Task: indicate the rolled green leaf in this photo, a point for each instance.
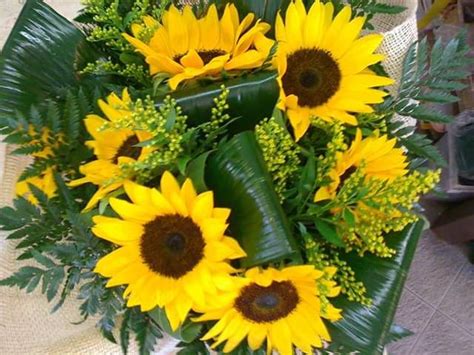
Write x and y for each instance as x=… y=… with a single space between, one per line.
x=39 y=58
x=237 y=174
x=251 y=99
x=368 y=329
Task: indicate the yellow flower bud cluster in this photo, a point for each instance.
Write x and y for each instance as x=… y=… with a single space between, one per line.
x=135 y=71
x=166 y=125
x=380 y=207
x=326 y=258
x=279 y=152
x=218 y=115
x=336 y=143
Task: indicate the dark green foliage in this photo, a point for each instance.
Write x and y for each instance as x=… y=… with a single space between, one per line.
x=56 y=126
x=186 y=333
x=428 y=78
x=146 y=330
x=368 y=329
x=251 y=98
x=238 y=176
x=39 y=59
x=396 y=333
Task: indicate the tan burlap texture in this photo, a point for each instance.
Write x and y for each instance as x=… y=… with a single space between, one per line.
x=26 y=325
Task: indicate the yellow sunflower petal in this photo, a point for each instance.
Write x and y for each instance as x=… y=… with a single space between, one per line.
x=140 y=195
x=257 y=335
x=237 y=337
x=132 y=212
x=332 y=35
x=210 y=29
x=178 y=31
x=246 y=60
x=118 y=231
x=169 y=186
x=347 y=36
x=280 y=336
x=203 y=206
x=192 y=60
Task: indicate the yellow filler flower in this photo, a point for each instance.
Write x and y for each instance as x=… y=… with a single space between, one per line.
x=323 y=65
x=111 y=146
x=382 y=161
x=187 y=48
x=173 y=252
x=281 y=306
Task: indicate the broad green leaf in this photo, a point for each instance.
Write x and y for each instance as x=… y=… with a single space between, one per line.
x=368 y=329
x=39 y=58
x=187 y=333
x=238 y=176
x=397 y=332
x=329 y=232
x=251 y=98
x=196 y=172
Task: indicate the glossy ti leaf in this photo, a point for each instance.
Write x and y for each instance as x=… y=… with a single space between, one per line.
x=237 y=174
x=39 y=57
x=396 y=333
x=251 y=98
x=266 y=10
x=368 y=329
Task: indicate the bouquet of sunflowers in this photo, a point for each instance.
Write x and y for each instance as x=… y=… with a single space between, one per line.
x=230 y=174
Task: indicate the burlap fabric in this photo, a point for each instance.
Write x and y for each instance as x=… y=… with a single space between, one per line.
x=26 y=325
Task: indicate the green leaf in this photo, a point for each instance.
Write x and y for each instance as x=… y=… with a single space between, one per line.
x=42 y=259
x=237 y=174
x=421 y=146
x=329 y=232
x=39 y=58
x=251 y=98
x=125 y=332
x=187 y=333
x=308 y=177
x=368 y=329
x=349 y=217
x=196 y=171
x=397 y=332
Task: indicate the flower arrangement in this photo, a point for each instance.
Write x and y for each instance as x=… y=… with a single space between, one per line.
x=227 y=173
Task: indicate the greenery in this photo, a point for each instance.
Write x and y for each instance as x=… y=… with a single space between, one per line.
x=428 y=77
x=266 y=179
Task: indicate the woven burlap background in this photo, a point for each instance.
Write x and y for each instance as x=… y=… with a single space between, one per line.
x=26 y=325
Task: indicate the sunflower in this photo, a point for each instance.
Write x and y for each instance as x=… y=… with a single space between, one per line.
x=173 y=252
x=111 y=146
x=281 y=306
x=185 y=47
x=381 y=161
x=323 y=65
x=45 y=182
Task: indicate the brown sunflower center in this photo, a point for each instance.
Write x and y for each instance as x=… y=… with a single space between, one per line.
x=206 y=55
x=346 y=175
x=267 y=304
x=172 y=245
x=128 y=149
x=312 y=75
